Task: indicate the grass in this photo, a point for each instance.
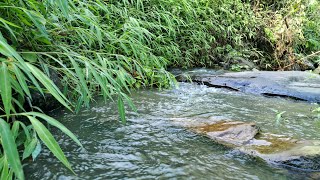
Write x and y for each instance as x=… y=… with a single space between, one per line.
x=107 y=48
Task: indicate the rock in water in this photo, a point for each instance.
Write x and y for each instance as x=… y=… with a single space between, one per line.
x=246 y=138
x=293 y=84
x=231 y=133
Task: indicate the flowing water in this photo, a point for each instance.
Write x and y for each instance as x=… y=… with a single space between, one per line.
x=150 y=146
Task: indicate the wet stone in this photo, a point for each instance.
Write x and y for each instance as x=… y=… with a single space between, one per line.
x=246 y=138
x=291 y=84
x=232 y=133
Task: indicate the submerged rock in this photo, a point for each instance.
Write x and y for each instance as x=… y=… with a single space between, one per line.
x=301 y=154
x=246 y=138
x=232 y=133
x=293 y=84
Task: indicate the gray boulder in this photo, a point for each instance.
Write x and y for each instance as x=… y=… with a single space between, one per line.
x=293 y=84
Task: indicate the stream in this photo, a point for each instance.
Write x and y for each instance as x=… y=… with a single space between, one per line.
x=150 y=146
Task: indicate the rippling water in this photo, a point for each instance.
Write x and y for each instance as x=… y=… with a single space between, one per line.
x=150 y=146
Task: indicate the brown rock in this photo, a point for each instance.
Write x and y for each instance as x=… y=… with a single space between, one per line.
x=245 y=137
x=229 y=133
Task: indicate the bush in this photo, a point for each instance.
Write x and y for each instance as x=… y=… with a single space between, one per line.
x=291 y=28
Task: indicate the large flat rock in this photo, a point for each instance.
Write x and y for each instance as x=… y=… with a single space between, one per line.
x=293 y=84
x=246 y=138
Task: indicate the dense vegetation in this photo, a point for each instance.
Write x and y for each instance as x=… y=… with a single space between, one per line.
x=109 y=47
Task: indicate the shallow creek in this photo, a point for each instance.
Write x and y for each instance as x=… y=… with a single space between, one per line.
x=150 y=146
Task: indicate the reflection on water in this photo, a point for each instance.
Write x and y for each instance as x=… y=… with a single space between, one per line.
x=149 y=146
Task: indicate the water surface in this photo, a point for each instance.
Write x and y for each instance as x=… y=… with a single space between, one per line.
x=150 y=146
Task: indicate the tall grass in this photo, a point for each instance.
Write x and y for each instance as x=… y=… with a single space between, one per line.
x=104 y=48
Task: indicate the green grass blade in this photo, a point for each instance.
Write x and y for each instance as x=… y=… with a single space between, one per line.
x=47 y=138
x=10 y=149
x=5 y=87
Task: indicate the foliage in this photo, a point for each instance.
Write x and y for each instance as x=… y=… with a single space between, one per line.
x=311 y=31
x=85 y=47
x=291 y=28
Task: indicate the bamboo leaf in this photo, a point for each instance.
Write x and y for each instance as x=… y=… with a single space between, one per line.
x=56 y=124
x=98 y=78
x=22 y=80
x=10 y=149
x=5 y=87
x=129 y=101
x=7 y=50
x=39 y=21
x=47 y=138
x=25 y=129
x=64 y=7
x=30 y=148
x=15 y=129
x=51 y=87
x=25 y=69
x=82 y=80
x=31 y=57
x=5 y=169
x=36 y=151
x=121 y=109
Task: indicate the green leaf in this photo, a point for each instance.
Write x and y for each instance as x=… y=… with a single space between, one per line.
x=129 y=101
x=36 y=151
x=47 y=138
x=6 y=25
x=5 y=87
x=15 y=129
x=26 y=130
x=51 y=87
x=82 y=80
x=39 y=21
x=25 y=69
x=99 y=79
x=31 y=57
x=5 y=169
x=7 y=50
x=30 y=148
x=9 y=23
x=64 y=7
x=121 y=110
x=2 y=161
x=10 y=149
x=56 y=124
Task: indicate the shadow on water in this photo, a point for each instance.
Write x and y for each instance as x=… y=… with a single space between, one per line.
x=150 y=146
